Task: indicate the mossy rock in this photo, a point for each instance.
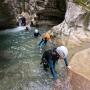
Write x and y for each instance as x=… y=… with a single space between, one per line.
x=84 y=3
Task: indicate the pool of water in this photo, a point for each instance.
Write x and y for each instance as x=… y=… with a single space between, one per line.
x=20 y=67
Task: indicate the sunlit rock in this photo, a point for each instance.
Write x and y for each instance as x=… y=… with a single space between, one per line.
x=74 y=27
x=80 y=70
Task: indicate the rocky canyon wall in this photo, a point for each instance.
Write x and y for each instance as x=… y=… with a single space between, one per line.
x=74 y=31
x=75 y=25
x=7 y=18
x=46 y=10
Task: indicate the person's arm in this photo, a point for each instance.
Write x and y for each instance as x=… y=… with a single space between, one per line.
x=66 y=62
x=39 y=34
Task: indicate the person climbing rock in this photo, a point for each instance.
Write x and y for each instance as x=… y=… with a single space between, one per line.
x=36 y=33
x=50 y=57
x=45 y=38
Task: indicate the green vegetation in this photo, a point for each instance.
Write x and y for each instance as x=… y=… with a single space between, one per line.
x=84 y=3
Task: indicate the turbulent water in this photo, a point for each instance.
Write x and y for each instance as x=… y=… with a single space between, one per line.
x=20 y=67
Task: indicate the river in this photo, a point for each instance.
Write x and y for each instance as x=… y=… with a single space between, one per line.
x=20 y=67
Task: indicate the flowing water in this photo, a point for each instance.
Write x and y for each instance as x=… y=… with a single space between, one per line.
x=20 y=67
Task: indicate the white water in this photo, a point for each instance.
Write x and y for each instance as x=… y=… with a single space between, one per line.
x=17 y=29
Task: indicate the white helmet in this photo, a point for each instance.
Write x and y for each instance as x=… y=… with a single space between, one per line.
x=36 y=30
x=62 y=51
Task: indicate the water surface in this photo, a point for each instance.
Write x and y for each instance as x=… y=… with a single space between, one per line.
x=20 y=67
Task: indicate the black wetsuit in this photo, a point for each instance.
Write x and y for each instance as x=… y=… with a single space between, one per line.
x=49 y=59
x=37 y=34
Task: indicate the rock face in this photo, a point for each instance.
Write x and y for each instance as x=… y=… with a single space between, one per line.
x=80 y=71
x=53 y=11
x=74 y=31
x=76 y=24
x=7 y=18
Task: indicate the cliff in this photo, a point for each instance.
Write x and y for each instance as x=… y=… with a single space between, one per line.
x=74 y=33
x=47 y=11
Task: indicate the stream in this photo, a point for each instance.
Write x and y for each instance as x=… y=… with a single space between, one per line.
x=20 y=58
x=20 y=67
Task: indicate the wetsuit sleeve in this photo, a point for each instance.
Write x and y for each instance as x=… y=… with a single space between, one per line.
x=66 y=62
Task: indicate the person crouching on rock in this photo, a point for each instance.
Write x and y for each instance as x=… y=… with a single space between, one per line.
x=50 y=57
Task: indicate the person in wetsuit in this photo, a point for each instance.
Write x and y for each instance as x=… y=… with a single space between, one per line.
x=36 y=33
x=50 y=57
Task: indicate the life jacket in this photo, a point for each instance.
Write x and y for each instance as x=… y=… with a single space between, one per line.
x=47 y=36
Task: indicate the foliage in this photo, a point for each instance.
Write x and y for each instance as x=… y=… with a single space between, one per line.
x=84 y=3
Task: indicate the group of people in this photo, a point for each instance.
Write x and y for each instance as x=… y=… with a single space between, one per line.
x=44 y=39
x=51 y=56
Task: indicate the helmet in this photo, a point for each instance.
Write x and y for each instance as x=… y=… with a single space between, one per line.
x=62 y=51
x=36 y=30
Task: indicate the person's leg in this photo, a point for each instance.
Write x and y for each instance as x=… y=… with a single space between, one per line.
x=54 y=64
x=52 y=68
x=43 y=43
x=66 y=62
x=45 y=66
x=40 y=42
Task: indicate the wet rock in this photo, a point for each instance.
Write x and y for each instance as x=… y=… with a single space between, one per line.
x=80 y=70
x=73 y=28
x=7 y=19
